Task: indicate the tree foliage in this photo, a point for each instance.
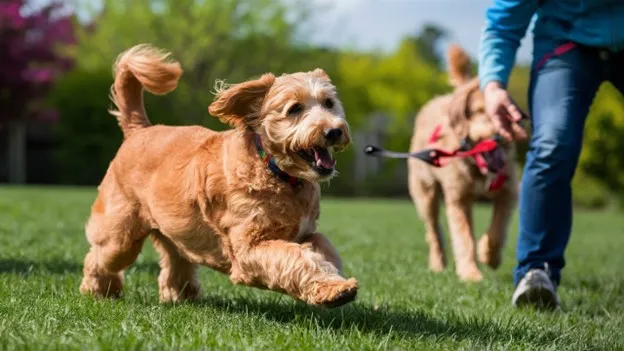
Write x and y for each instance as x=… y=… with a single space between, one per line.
x=236 y=40
x=427 y=42
x=602 y=158
x=228 y=39
x=396 y=85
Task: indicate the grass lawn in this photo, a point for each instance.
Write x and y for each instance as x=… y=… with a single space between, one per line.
x=400 y=305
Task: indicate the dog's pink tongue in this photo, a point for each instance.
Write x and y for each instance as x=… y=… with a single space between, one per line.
x=324 y=159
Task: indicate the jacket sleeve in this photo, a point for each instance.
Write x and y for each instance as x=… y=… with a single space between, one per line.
x=505 y=25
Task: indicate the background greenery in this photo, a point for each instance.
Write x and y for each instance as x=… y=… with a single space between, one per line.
x=239 y=39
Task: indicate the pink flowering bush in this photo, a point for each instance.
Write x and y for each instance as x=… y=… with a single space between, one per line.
x=30 y=59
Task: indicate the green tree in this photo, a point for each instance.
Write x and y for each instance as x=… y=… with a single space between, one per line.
x=427 y=41
x=227 y=39
x=88 y=135
x=397 y=85
x=230 y=39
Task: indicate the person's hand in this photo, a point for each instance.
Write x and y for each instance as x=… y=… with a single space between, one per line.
x=503 y=112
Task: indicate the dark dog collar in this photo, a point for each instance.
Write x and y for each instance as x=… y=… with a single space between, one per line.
x=273 y=167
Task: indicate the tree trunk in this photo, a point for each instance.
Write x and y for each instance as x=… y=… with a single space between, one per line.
x=17 y=152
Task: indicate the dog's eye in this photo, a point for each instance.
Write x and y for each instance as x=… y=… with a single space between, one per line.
x=295 y=109
x=328 y=103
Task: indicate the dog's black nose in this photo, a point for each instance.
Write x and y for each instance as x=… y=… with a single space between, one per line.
x=333 y=135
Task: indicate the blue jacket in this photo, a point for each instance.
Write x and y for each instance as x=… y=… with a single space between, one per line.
x=590 y=22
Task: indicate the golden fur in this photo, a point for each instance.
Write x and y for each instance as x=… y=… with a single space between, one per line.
x=207 y=198
x=460 y=113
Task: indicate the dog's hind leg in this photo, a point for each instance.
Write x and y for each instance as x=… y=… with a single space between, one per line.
x=178 y=277
x=116 y=239
x=426 y=197
x=295 y=269
x=491 y=243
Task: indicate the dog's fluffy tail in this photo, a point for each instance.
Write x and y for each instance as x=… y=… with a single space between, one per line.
x=459 y=70
x=142 y=66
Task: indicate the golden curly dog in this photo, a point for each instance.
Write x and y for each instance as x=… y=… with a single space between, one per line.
x=244 y=202
x=448 y=122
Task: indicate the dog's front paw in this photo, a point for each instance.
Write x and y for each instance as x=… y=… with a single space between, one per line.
x=334 y=293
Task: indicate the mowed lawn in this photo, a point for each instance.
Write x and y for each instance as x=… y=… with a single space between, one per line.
x=400 y=305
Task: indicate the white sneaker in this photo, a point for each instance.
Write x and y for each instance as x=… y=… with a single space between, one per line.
x=536 y=289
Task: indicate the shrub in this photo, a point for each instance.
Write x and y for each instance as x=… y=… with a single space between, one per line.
x=87 y=135
x=589 y=193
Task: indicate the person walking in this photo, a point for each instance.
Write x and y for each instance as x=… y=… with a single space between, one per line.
x=577 y=45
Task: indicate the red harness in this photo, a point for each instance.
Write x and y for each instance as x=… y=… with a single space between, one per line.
x=442 y=158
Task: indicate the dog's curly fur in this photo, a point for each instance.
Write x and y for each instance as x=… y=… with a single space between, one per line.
x=460 y=114
x=207 y=198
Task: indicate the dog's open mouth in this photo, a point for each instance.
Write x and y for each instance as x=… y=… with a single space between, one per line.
x=320 y=160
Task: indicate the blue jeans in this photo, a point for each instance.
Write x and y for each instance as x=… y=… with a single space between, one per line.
x=560 y=94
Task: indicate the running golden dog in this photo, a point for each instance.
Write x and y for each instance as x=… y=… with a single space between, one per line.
x=244 y=202
x=450 y=122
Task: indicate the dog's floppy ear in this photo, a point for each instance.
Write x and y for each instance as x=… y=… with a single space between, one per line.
x=239 y=105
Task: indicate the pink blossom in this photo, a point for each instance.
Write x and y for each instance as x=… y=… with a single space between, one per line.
x=10 y=12
x=29 y=55
x=39 y=75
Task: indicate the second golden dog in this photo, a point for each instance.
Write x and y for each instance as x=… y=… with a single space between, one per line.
x=451 y=122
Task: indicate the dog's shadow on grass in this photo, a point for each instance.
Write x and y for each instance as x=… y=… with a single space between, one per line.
x=357 y=316
x=383 y=322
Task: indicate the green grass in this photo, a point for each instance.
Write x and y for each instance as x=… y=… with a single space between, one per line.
x=400 y=305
